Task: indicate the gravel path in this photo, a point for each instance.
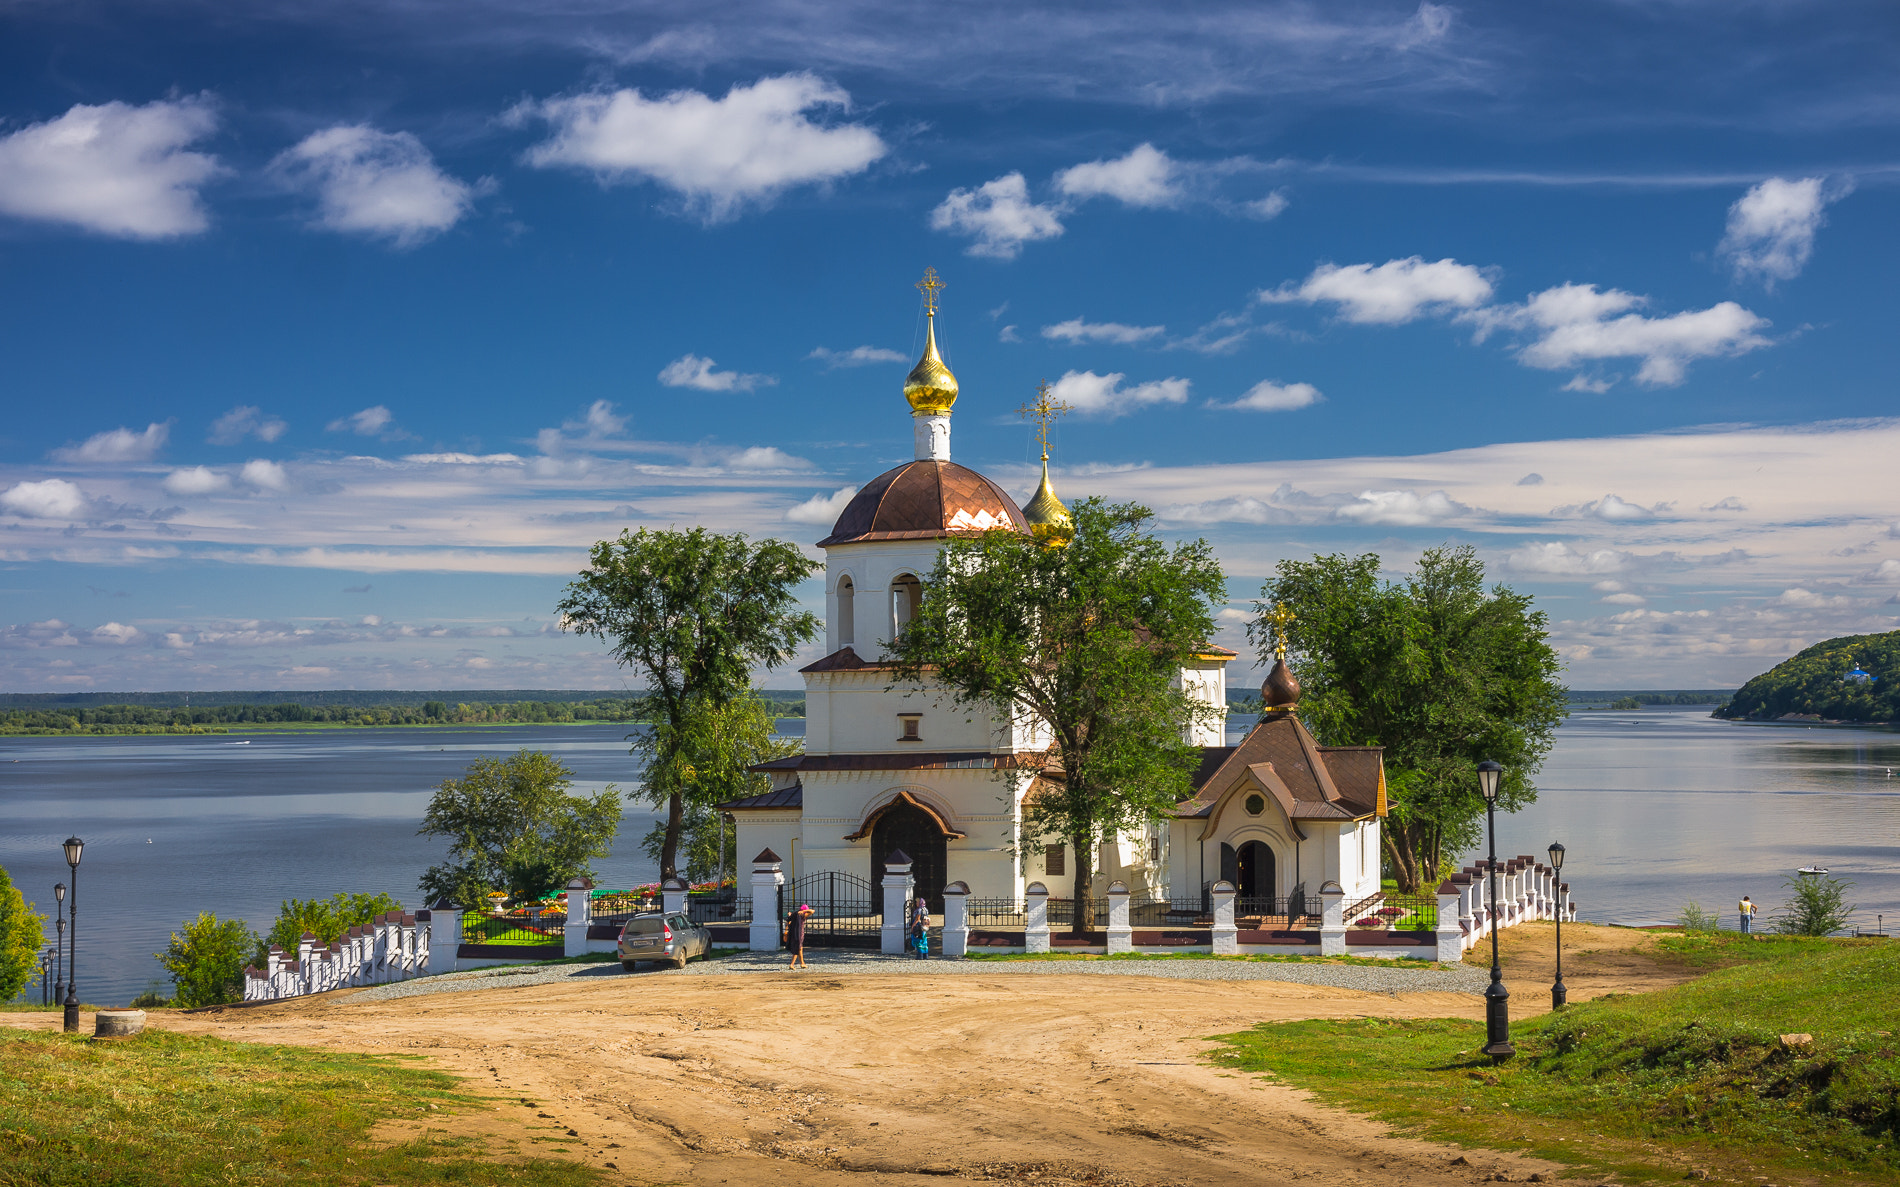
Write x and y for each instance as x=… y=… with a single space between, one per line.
x=1380 y=979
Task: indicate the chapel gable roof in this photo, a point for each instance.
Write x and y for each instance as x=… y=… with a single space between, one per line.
x=1309 y=781
x=766 y=801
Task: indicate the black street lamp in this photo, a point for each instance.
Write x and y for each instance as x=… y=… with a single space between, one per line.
x=1497 y=999
x=1558 y=994
x=46 y=977
x=59 y=948
x=74 y=848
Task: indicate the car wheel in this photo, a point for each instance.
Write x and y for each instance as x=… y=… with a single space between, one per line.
x=679 y=962
x=630 y=966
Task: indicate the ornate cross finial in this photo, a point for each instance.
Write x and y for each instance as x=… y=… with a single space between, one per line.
x=1281 y=618
x=1044 y=410
x=930 y=286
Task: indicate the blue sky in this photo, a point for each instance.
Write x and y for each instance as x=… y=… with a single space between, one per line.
x=333 y=335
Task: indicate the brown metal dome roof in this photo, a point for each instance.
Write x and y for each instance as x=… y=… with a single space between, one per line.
x=922 y=499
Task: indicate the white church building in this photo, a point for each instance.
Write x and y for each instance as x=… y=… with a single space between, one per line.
x=903 y=768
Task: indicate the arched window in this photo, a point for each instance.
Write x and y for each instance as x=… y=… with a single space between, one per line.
x=906 y=596
x=845 y=612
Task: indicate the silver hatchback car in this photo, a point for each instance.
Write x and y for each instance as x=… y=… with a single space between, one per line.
x=671 y=938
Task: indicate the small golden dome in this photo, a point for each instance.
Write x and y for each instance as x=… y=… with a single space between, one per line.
x=931 y=388
x=1044 y=509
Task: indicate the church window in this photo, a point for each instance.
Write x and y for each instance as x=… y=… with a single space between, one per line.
x=906 y=597
x=1054 y=861
x=1255 y=805
x=846 y=593
x=909 y=727
x=1154 y=849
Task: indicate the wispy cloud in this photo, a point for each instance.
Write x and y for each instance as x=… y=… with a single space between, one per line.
x=1771 y=228
x=1104 y=395
x=1389 y=294
x=1146 y=177
x=243 y=421
x=116 y=445
x=1577 y=323
x=998 y=217
x=114 y=169
x=1270 y=396
x=701 y=374
x=857 y=356
x=375 y=183
x=369 y=422
x=1077 y=331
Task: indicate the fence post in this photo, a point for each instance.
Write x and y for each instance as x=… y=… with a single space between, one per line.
x=580 y=894
x=1451 y=935
x=445 y=936
x=423 y=921
x=673 y=896
x=956 y=919
x=898 y=889
x=1036 y=918
x=1226 y=935
x=767 y=876
x=1120 y=937
x=1332 y=919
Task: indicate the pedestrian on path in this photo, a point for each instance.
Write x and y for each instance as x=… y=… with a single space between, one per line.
x=795 y=935
x=1747 y=911
x=920 y=927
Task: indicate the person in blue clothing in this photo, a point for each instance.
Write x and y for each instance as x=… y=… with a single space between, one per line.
x=1745 y=910
x=920 y=928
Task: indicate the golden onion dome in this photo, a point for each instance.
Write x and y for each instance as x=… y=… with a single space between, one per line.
x=1044 y=509
x=931 y=388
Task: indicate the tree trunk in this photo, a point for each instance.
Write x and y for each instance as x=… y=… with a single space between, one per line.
x=1084 y=920
x=1400 y=847
x=675 y=824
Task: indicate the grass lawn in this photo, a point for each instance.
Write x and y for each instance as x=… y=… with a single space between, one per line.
x=171 y=1109
x=1651 y=1086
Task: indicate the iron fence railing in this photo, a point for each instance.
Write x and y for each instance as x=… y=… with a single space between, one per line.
x=1400 y=912
x=997 y=913
x=624 y=904
x=718 y=909
x=530 y=929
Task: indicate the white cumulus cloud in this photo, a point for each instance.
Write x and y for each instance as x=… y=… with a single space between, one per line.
x=367 y=423
x=117 y=445
x=1561 y=560
x=822 y=510
x=264 y=474
x=1575 y=323
x=114 y=634
x=245 y=421
x=1268 y=396
x=1146 y=177
x=1104 y=395
x=1402 y=508
x=1771 y=227
x=1611 y=509
x=998 y=216
x=1077 y=331
x=50 y=498
x=691 y=370
x=195 y=480
x=719 y=154
x=1391 y=293
x=113 y=168
x=370 y=182
x=857 y=356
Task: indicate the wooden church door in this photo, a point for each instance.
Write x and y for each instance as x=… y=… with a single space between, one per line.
x=908 y=827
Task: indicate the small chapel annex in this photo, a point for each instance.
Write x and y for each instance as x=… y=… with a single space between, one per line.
x=902 y=768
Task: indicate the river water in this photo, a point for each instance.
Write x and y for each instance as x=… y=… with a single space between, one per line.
x=1656 y=807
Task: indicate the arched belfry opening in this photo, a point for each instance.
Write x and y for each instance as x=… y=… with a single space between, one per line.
x=906 y=596
x=847 y=612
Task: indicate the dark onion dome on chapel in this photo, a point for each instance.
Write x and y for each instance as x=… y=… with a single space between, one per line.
x=924 y=499
x=1281 y=691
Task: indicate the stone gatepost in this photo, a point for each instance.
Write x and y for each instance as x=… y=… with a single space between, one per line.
x=1451 y=936
x=306 y=944
x=580 y=912
x=1461 y=911
x=1332 y=919
x=768 y=876
x=956 y=919
x=445 y=936
x=898 y=888
x=1120 y=937
x=1226 y=935
x=1036 y=918
x=673 y=896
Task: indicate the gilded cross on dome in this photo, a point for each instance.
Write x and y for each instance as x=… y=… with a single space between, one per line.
x=1044 y=410
x=930 y=286
x=1281 y=618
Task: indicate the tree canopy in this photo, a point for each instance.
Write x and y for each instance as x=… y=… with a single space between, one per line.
x=692 y=613
x=1815 y=682
x=1085 y=636
x=22 y=935
x=1435 y=669
x=515 y=829
x=732 y=738
x=206 y=960
x=326 y=919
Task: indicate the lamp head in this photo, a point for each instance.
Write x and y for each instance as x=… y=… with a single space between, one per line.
x=59 y=891
x=74 y=847
x=1556 y=855
x=1489 y=773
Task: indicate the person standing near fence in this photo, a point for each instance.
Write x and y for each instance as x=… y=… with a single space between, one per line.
x=1746 y=911
x=795 y=935
x=920 y=927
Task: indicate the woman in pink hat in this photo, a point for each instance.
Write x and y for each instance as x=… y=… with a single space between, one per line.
x=795 y=935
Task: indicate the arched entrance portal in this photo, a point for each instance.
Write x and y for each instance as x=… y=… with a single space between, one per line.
x=1254 y=866
x=906 y=826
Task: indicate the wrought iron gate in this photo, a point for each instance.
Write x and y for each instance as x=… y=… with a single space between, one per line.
x=846 y=911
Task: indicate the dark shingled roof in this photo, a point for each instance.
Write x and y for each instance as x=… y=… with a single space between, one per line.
x=923 y=499
x=783 y=797
x=1307 y=780
x=903 y=760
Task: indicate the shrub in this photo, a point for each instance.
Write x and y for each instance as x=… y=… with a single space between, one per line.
x=22 y=935
x=206 y=960
x=1817 y=906
x=1694 y=918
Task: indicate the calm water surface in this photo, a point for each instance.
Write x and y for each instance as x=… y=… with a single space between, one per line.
x=1656 y=807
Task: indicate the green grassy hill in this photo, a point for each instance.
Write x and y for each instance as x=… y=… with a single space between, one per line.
x=1814 y=683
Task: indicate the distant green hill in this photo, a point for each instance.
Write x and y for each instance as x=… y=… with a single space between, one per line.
x=1815 y=683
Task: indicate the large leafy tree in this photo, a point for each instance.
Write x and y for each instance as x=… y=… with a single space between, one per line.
x=22 y=935
x=733 y=737
x=326 y=919
x=515 y=829
x=1435 y=668
x=1084 y=634
x=692 y=613
x=206 y=960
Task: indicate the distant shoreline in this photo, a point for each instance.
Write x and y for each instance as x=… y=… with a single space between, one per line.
x=299 y=727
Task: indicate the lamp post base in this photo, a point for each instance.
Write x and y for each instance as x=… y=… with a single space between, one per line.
x=72 y=1018
x=1559 y=996
x=1499 y=1051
